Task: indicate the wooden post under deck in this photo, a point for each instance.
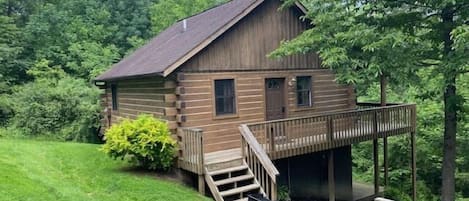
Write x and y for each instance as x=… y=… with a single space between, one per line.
x=383 y=85
x=330 y=175
x=201 y=184
x=376 y=166
x=414 y=167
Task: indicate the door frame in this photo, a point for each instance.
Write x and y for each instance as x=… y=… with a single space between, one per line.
x=285 y=95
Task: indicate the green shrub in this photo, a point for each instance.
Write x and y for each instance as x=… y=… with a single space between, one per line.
x=283 y=193
x=146 y=141
x=62 y=109
x=396 y=194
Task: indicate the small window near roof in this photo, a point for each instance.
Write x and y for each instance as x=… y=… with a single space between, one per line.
x=303 y=91
x=114 y=96
x=225 y=100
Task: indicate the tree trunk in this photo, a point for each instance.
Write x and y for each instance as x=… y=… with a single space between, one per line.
x=449 y=147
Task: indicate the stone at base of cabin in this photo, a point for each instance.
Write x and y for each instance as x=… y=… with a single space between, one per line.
x=306 y=175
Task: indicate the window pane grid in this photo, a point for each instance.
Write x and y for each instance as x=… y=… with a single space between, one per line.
x=114 y=96
x=303 y=91
x=225 y=97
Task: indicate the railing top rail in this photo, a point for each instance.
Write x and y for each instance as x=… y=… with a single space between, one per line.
x=377 y=104
x=332 y=114
x=259 y=151
x=192 y=129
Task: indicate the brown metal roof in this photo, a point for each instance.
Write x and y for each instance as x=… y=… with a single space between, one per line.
x=172 y=47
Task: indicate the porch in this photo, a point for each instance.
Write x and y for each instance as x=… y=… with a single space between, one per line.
x=263 y=142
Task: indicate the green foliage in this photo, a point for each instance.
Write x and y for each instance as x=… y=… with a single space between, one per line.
x=12 y=67
x=283 y=193
x=146 y=140
x=396 y=194
x=421 y=47
x=61 y=108
x=91 y=59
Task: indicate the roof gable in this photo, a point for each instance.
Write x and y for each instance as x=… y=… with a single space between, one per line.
x=174 y=46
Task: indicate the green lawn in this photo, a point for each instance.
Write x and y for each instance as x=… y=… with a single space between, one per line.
x=37 y=170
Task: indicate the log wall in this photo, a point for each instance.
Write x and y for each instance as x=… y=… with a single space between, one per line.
x=195 y=100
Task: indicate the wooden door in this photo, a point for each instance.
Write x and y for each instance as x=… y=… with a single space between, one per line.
x=275 y=98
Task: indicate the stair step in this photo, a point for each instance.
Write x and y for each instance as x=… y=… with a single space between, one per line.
x=239 y=190
x=227 y=170
x=234 y=179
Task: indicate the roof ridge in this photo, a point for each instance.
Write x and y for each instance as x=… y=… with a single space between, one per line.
x=169 y=48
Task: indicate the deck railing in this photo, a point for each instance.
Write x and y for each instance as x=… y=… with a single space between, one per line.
x=368 y=105
x=192 y=157
x=259 y=162
x=289 y=137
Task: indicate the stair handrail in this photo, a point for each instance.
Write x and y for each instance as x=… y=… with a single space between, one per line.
x=249 y=144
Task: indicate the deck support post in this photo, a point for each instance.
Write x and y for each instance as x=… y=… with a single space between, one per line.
x=383 y=86
x=201 y=184
x=330 y=175
x=413 y=166
x=385 y=160
x=376 y=166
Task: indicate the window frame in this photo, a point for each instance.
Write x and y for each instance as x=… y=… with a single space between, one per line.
x=114 y=98
x=308 y=89
x=235 y=113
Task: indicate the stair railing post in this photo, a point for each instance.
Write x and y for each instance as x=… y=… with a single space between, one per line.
x=273 y=186
x=201 y=179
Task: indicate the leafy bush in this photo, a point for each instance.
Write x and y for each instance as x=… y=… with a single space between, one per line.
x=60 y=108
x=6 y=111
x=283 y=193
x=146 y=141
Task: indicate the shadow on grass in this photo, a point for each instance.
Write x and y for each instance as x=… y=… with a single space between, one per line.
x=172 y=175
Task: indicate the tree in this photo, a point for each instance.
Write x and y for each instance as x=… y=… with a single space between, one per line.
x=360 y=38
x=12 y=68
x=132 y=19
x=165 y=13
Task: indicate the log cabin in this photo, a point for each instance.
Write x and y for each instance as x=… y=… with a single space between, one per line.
x=246 y=123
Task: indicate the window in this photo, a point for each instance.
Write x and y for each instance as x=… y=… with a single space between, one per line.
x=225 y=102
x=303 y=91
x=114 y=96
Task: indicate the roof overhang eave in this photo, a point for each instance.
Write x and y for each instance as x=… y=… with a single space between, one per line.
x=119 y=78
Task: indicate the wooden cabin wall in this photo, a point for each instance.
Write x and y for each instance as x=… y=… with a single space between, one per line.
x=152 y=95
x=195 y=94
x=245 y=46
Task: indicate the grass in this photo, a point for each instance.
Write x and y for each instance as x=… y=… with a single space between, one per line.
x=38 y=170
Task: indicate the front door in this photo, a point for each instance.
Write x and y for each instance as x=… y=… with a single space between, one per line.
x=275 y=98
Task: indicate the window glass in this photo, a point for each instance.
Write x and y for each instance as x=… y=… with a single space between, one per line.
x=114 y=96
x=303 y=91
x=225 y=102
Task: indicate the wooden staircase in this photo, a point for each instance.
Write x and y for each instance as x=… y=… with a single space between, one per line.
x=229 y=179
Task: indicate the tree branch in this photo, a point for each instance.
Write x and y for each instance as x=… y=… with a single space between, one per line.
x=461 y=7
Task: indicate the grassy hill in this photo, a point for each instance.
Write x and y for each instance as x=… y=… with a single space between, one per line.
x=37 y=170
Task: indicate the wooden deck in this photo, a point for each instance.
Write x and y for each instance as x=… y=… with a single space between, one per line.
x=263 y=142
x=288 y=147
x=222 y=156
x=296 y=136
